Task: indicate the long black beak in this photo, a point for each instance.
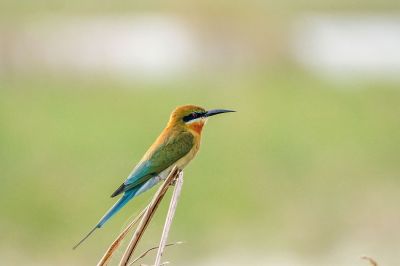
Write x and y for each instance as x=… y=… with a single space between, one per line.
x=217 y=111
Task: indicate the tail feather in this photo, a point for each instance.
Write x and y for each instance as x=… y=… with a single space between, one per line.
x=114 y=209
x=117 y=206
x=83 y=239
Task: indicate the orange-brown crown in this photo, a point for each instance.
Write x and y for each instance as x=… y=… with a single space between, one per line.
x=181 y=112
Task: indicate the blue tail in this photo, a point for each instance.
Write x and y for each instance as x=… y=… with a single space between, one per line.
x=117 y=206
x=128 y=195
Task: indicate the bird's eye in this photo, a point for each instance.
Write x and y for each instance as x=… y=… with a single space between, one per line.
x=191 y=116
x=187 y=118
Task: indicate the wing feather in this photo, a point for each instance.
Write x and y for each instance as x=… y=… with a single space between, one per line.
x=163 y=157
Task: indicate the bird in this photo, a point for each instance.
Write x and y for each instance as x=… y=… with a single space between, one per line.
x=177 y=145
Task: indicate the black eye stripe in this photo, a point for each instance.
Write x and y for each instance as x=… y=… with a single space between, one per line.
x=188 y=118
x=193 y=116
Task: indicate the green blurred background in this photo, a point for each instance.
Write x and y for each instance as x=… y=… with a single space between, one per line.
x=305 y=173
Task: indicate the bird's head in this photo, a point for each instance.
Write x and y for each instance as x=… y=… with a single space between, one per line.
x=193 y=117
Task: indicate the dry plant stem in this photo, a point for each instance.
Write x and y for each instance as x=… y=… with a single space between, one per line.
x=153 y=248
x=117 y=242
x=170 y=217
x=150 y=210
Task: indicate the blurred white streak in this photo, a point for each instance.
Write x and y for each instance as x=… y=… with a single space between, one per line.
x=349 y=46
x=146 y=45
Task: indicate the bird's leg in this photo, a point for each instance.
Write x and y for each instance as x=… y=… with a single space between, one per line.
x=163 y=176
x=176 y=177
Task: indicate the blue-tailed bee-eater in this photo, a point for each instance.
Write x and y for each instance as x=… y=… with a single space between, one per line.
x=177 y=145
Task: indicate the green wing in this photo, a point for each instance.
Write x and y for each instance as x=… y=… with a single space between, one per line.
x=162 y=158
x=172 y=151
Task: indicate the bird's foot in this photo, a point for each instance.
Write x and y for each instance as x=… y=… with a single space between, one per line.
x=176 y=177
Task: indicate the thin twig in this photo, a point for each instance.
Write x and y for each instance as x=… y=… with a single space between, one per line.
x=370 y=260
x=150 y=210
x=153 y=248
x=170 y=217
x=117 y=242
